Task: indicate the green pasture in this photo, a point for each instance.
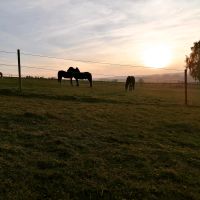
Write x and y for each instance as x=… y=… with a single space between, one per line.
x=63 y=142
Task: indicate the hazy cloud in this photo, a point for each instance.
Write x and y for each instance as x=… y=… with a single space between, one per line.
x=99 y=30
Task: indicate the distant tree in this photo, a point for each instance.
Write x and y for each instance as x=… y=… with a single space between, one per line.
x=193 y=61
x=29 y=77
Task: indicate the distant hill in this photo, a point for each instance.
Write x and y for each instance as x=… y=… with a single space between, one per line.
x=155 y=78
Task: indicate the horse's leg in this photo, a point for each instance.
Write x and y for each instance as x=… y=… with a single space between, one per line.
x=59 y=80
x=71 y=81
x=133 y=83
x=77 y=83
x=90 y=80
x=130 y=86
x=126 y=86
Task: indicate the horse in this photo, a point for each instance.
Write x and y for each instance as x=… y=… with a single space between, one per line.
x=1 y=74
x=130 y=83
x=80 y=75
x=64 y=74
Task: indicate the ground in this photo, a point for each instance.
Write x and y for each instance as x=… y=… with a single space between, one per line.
x=63 y=142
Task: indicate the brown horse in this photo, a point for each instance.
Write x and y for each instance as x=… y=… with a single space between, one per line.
x=64 y=74
x=130 y=83
x=1 y=75
x=80 y=75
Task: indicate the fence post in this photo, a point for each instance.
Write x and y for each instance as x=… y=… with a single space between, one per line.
x=19 y=70
x=186 y=85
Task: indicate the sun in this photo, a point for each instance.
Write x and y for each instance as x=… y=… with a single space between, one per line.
x=157 y=56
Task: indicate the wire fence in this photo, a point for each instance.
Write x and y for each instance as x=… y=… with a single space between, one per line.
x=45 y=66
x=31 y=65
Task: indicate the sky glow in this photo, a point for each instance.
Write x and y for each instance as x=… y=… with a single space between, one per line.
x=114 y=31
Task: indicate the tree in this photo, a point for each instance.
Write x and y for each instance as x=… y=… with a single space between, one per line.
x=193 y=61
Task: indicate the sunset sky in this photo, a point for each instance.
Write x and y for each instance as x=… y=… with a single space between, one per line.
x=125 y=32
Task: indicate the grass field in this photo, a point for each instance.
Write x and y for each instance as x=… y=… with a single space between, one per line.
x=98 y=143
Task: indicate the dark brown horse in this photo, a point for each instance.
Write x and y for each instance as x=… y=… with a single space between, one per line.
x=75 y=73
x=64 y=74
x=80 y=75
x=1 y=75
x=130 y=83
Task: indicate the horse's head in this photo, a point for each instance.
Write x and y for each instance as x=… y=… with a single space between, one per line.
x=77 y=70
x=71 y=69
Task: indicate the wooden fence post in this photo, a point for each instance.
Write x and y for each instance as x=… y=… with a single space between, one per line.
x=19 y=70
x=186 y=86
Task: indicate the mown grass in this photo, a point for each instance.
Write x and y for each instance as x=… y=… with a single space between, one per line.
x=63 y=142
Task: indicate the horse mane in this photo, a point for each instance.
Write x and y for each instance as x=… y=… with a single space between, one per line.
x=77 y=70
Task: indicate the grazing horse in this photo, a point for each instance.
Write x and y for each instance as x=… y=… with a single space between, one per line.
x=1 y=75
x=80 y=75
x=130 y=83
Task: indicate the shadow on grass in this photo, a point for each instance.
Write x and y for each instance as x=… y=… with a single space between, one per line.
x=7 y=92
x=90 y=99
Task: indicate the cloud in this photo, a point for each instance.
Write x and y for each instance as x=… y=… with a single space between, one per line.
x=98 y=30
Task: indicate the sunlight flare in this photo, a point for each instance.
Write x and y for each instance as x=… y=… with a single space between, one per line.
x=157 y=56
